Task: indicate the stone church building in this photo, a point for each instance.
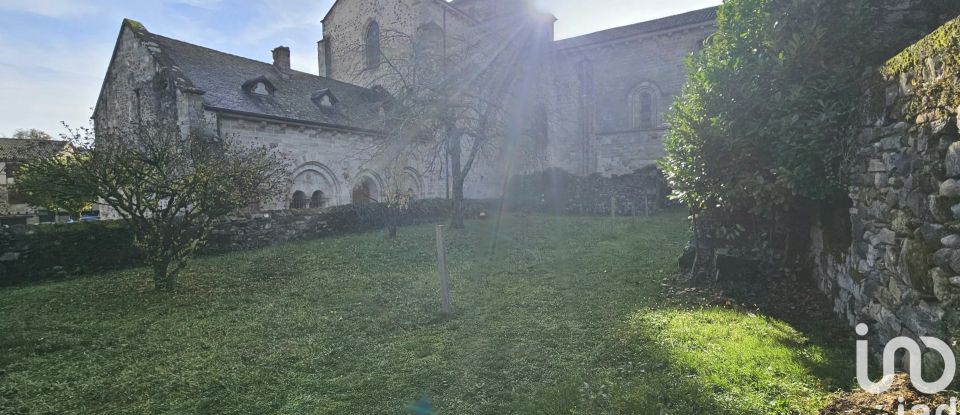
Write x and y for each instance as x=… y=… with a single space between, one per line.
x=602 y=96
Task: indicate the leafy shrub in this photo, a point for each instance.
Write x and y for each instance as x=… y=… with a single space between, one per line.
x=760 y=135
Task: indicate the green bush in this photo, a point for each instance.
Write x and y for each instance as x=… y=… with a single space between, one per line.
x=759 y=126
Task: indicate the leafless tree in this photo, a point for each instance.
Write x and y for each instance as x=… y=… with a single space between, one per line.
x=456 y=100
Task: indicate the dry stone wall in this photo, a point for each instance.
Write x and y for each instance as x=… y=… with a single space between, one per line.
x=31 y=253
x=900 y=272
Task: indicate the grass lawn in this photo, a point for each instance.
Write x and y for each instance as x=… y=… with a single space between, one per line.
x=570 y=316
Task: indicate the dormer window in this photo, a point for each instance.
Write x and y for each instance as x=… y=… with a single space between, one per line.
x=261 y=89
x=325 y=100
x=259 y=86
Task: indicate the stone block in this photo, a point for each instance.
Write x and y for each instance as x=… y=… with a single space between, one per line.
x=876 y=166
x=942 y=287
x=947 y=259
x=951 y=241
x=915 y=264
x=951 y=162
x=940 y=208
x=950 y=188
x=884 y=236
x=893 y=142
x=931 y=234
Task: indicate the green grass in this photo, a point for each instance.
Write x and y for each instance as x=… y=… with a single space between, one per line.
x=568 y=317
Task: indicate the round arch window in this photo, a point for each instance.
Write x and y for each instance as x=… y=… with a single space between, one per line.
x=299 y=200
x=316 y=200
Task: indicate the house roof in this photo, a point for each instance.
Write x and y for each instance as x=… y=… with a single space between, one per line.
x=220 y=79
x=666 y=23
x=12 y=149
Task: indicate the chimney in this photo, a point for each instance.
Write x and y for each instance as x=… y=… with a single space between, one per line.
x=281 y=58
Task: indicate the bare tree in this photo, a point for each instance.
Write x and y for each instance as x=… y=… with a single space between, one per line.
x=456 y=100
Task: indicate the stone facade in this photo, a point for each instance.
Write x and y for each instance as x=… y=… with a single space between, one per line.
x=607 y=93
x=602 y=96
x=898 y=268
x=599 y=97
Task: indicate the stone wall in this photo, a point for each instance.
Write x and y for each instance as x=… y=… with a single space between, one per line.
x=31 y=253
x=557 y=191
x=899 y=271
x=592 y=92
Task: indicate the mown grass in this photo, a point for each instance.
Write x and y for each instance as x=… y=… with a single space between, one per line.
x=567 y=317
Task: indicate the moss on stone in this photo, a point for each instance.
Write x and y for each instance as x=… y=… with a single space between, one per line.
x=134 y=24
x=931 y=94
x=944 y=40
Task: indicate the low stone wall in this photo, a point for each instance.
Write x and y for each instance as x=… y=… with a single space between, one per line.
x=270 y=228
x=36 y=252
x=557 y=191
x=899 y=271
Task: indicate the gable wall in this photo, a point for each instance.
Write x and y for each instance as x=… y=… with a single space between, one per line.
x=591 y=126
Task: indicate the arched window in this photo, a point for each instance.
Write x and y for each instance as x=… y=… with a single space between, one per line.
x=299 y=200
x=646 y=110
x=644 y=101
x=316 y=201
x=372 y=45
x=362 y=192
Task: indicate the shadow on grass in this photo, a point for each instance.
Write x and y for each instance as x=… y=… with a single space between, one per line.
x=693 y=358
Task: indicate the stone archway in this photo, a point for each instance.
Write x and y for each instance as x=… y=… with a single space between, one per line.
x=318 y=184
x=413 y=182
x=317 y=200
x=365 y=191
x=298 y=201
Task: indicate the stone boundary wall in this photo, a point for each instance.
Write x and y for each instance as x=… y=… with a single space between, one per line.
x=559 y=192
x=898 y=269
x=37 y=252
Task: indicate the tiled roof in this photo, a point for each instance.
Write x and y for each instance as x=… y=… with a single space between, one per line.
x=22 y=150
x=221 y=76
x=666 y=23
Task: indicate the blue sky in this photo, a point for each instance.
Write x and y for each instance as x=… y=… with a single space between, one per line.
x=54 y=53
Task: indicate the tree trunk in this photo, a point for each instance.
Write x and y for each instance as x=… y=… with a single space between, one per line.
x=458 y=213
x=162 y=278
x=393 y=221
x=453 y=148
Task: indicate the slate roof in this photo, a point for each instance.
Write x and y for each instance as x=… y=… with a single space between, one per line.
x=666 y=23
x=220 y=78
x=12 y=149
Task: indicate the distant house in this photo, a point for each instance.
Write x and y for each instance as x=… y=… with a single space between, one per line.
x=13 y=153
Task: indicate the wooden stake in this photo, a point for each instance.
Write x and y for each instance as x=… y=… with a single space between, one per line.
x=444 y=276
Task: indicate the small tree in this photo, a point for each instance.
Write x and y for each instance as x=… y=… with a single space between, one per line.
x=56 y=183
x=171 y=188
x=457 y=99
x=396 y=197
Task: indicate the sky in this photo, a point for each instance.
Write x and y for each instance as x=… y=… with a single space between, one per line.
x=54 y=53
